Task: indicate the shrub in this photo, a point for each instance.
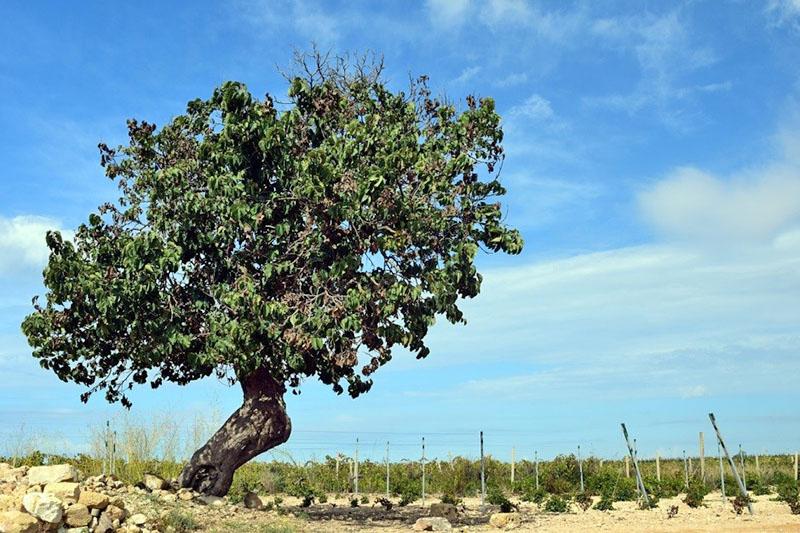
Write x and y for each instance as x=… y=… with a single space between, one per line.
x=364 y=499
x=534 y=495
x=322 y=498
x=495 y=496
x=695 y=493
x=451 y=499
x=353 y=502
x=740 y=502
x=605 y=504
x=583 y=500
x=556 y=504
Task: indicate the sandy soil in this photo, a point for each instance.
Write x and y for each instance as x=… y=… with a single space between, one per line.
x=336 y=516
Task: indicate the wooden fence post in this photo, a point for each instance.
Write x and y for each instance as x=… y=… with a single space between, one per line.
x=702 y=458
x=512 y=469
x=355 y=469
x=639 y=480
x=658 y=467
x=580 y=468
x=685 y=470
x=721 y=473
x=627 y=467
x=423 y=471
x=387 y=468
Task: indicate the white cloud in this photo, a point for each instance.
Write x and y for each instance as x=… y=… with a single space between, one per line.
x=784 y=12
x=511 y=80
x=696 y=205
x=655 y=320
x=760 y=205
x=467 y=74
x=535 y=107
x=447 y=13
x=22 y=241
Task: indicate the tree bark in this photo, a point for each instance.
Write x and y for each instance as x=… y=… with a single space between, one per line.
x=259 y=424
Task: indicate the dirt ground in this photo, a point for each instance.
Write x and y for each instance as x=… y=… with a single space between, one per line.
x=337 y=515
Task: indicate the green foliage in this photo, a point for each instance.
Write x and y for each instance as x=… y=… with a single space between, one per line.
x=561 y=475
x=288 y=239
x=364 y=499
x=605 y=503
x=757 y=487
x=495 y=496
x=534 y=495
x=556 y=504
x=450 y=499
x=695 y=493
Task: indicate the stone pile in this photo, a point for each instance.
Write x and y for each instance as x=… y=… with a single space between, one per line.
x=53 y=498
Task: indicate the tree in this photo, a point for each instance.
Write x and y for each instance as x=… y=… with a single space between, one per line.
x=266 y=243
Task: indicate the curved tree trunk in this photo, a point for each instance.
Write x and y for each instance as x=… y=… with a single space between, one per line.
x=259 y=424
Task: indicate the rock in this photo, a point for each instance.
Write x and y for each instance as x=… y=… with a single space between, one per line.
x=185 y=495
x=253 y=501
x=432 y=523
x=43 y=506
x=115 y=513
x=168 y=497
x=93 y=500
x=9 y=474
x=11 y=502
x=504 y=520
x=138 y=519
x=43 y=475
x=153 y=482
x=66 y=491
x=104 y=524
x=213 y=501
x=74 y=530
x=444 y=510
x=77 y=515
x=18 y=522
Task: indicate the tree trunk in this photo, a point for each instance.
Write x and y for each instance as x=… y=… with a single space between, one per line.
x=259 y=424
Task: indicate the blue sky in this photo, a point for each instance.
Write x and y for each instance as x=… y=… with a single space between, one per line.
x=653 y=166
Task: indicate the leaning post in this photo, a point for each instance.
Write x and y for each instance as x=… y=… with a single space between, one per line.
x=636 y=467
x=483 y=476
x=742 y=487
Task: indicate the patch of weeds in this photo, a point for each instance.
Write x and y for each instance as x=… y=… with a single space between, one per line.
x=652 y=502
x=353 y=502
x=385 y=503
x=179 y=522
x=364 y=499
x=672 y=512
x=556 y=504
x=740 y=502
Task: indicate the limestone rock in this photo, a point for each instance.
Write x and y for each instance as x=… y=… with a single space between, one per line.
x=253 y=501
x=185 y=495
x=504 y=520
x=213 y=501
x=153 y=482
x=138 y=519
x=18 y=522
x=432 y=523
x=77 y=515
x=93 y=500
x=444 y=510
x=43 y=506
x=115 y=513
x=104 y=524
x=66 y=491
x=43 y=475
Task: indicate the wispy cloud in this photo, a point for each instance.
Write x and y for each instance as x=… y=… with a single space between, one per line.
x=467 y=74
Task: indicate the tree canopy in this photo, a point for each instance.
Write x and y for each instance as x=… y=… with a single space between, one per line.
x=304 y=238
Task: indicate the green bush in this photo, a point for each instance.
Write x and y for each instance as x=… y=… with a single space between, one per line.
x=605 y=504
x=583 y=500
x=451 y=499
x=556 y=504
x=495 y=496
x=695 y=493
